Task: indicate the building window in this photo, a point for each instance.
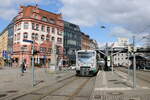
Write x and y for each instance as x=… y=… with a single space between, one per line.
x=33 y=26
x=42 y=49
x=53 y=39
x=42 y=37
x=47 y=37
x=33 y=36
x=59 y=32
x=25 y=35
x=26 y=25
x=19 y=26
x=49 y=50
x=18 y=36
x=24 y=48
x=37 y=27
x=44 y=19
x=59 y=40
x=52 y=21
x=36 y=36
x=48 y=29
x=15 y=38
x=43 y=28
x=53 y=30
x=36 y=16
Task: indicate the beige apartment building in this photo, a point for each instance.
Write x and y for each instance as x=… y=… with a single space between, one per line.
x=3 y=45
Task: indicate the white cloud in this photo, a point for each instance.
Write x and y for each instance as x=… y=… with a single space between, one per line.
x=101 y=45
x=7 y=14
x=121 y=32
x=132 y=14
x=9 y=8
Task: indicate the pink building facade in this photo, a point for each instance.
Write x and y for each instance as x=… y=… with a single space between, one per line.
x=43 y=27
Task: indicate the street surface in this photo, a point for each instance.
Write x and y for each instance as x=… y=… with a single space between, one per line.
x=116 y=86
x=65 y=85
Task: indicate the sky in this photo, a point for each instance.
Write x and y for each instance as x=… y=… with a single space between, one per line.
x=121 y=18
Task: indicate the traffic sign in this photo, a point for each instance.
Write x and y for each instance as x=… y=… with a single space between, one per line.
x=5 y=54
x=30 y=41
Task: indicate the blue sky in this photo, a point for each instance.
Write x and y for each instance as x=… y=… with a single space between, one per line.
x=123 y=18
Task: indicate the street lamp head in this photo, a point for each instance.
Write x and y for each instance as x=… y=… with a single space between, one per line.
x=103 y=27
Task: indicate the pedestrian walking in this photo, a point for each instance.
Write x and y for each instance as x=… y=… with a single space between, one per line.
x=60 y=64
x=23 y=68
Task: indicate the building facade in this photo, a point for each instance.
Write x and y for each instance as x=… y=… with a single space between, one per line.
x=93 y=44
x=6 y=40
x=120 y=59
x=44 y=28
x=72 y=41
x=85 y=42
x=3 y=46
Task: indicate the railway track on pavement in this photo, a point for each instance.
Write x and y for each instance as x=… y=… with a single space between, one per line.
x=138 y=74
x=68 y=89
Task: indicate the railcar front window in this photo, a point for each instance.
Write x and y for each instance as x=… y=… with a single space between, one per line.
x=86 y=57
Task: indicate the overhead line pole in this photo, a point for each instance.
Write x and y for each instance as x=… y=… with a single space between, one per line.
x=33 y=80
x=134 y=64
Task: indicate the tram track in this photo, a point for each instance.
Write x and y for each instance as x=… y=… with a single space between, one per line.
x=69 y=96
x=51 y=91
x=139 y=75
x=35 y=92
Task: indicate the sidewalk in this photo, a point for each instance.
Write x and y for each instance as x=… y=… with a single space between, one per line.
x=13 y=83
x=115 y=86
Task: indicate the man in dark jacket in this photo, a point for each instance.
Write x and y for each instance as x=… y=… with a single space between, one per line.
x=23 y=68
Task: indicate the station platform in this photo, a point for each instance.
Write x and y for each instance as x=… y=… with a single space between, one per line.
x=116 y=86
